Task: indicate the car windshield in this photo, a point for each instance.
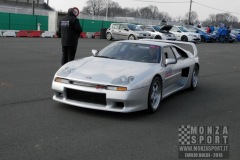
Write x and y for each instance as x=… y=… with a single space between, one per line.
x=131 y=52
x=157 y=28
x=192 y=29
x=183 y=29
x=134 y=27
x=202 y=30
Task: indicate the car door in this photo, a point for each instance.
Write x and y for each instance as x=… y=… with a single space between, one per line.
x=177 y=32
x=123 y=31
x=172 y=71
x=115 y=31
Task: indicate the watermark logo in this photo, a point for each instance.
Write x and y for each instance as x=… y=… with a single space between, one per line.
x=203 y=142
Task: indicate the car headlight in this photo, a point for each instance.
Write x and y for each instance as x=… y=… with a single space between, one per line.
x=66 y=71
x=116 y=88
x=123 y=80
x=61 y=80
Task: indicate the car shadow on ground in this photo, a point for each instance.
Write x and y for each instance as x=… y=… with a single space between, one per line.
x=161 y=113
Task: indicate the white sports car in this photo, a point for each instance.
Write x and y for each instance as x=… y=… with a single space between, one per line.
x=127 y=76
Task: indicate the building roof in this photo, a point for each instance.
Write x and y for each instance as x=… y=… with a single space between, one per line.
x=24 y=5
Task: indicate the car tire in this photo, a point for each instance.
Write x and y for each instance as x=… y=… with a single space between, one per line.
x=203 y=39
x=184 y=38
x=131 y=37
x=194 y=78
x=109 y=36
x=155 y=95
x=158 y=37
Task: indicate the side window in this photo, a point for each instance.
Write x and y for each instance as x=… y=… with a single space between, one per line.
x=174 y=29
x=168 y=53
x=148 y=29
x=123 y=26
x=115 y=26
x=142 y=27
x=178 y=56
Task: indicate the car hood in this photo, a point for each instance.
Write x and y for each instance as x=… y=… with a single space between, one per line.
x=166 y=28
x=102 y=70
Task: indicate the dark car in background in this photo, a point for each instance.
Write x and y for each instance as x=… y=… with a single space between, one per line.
x=205 y=37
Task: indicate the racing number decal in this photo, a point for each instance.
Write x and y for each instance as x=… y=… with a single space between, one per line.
x=168 y=72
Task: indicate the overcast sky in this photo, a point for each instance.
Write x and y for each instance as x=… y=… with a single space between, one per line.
x=202 y=7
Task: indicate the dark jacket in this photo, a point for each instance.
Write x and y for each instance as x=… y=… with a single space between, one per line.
x=69 y=30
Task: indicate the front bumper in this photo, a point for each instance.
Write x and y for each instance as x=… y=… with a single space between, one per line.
x=194 y=39
x=115 y=101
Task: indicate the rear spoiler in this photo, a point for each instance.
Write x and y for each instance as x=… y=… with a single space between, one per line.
x=195 y=52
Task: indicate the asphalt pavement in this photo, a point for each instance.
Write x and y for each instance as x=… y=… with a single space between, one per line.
x=34 y=127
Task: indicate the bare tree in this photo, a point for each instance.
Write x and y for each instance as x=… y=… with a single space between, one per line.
x=94 y=7
x=146 y=13
x=155 y=11
x=114 y=9
x=164 y=16
x=193 y=17
x=225 y=18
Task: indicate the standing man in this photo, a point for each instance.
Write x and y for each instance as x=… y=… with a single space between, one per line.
x=69 y=30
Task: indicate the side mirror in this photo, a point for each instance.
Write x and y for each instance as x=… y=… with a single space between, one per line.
x=153 y=30
x=94 y=52
x=170 y=61
x=179 y=31
x=126 y=29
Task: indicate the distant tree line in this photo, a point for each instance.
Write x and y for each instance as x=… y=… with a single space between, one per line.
x=225 y=18
x=99 y=8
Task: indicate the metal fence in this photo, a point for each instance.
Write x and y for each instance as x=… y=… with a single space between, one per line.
x=121 y=19
x=39 y=12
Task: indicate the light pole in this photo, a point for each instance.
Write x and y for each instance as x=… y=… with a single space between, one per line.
x=107 y=10
x=190 y=10
x=33 y=7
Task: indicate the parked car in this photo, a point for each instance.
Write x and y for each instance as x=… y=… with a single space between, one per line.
x=126 y=31
x=205 y=37
x=236 y=32
x=182 y=34
x=128 y=76
x=232 y=38
x=155 y=32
